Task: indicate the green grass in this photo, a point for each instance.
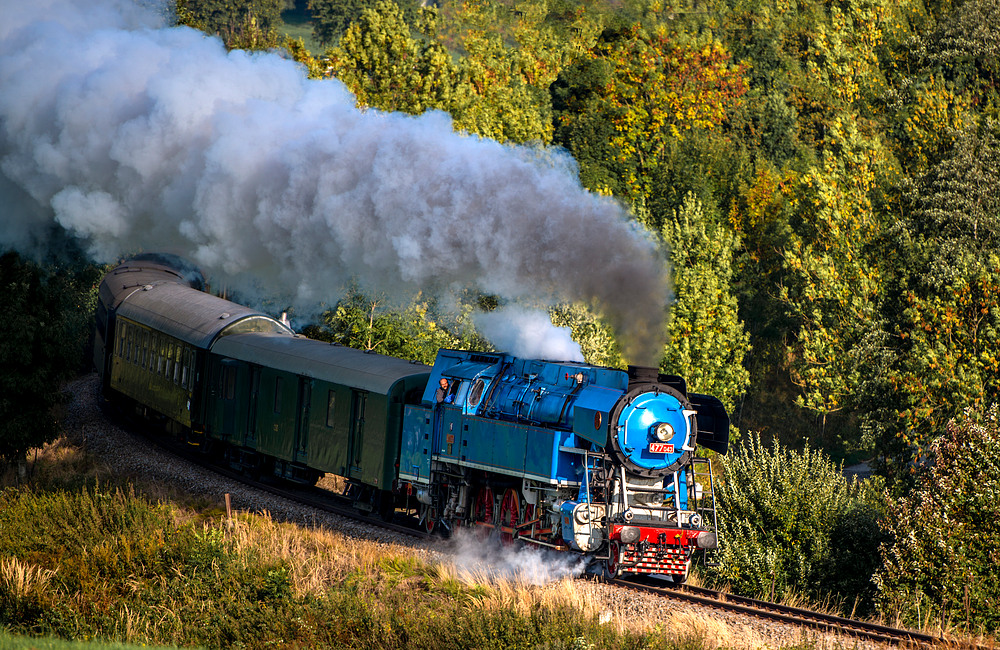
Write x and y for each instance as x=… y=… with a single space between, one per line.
x=102 y=562
x=11 y=642
x=296 y=24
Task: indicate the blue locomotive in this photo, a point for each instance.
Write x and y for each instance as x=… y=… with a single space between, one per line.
x=562 y=455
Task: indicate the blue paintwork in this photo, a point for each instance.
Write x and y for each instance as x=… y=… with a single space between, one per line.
x=512 y=416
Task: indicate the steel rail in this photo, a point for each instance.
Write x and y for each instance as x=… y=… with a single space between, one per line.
x=796 y=616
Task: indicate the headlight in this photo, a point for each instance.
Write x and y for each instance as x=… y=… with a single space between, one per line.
x=664 y=432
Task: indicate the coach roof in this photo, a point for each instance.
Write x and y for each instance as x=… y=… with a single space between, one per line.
x=192 y=316
x=318 y=360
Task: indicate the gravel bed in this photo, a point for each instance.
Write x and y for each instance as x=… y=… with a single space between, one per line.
x=133 y=456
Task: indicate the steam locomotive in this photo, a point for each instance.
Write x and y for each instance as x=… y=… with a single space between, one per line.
x=562 y=455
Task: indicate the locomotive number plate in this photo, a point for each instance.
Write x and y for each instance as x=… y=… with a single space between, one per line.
x=661 y=448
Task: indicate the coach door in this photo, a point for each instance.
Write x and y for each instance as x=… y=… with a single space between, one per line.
x=301 y=449
x=356 y=440
x=250 y=437
x=227 y=394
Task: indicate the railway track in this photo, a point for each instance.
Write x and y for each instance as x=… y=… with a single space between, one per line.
x=328 y=501
x=860 y=630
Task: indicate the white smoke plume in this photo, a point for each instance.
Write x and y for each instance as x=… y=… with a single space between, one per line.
x=529 y=334
x=484 y=560
x=134 y=136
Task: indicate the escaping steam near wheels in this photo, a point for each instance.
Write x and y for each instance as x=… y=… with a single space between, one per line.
x=133 y=136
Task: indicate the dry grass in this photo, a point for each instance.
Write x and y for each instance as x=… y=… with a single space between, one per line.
x=22 y=580
x=318 y=558
x=60 y=459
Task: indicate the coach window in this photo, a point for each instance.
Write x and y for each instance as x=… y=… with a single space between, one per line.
x=186 y=361
x=277 y=395
x=230 y=382
x=160 y=356
x=177 y=364
x=168 y=371
x=120 y=336
x=331 y=401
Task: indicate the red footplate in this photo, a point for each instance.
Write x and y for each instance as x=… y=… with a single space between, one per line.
x=665 y=559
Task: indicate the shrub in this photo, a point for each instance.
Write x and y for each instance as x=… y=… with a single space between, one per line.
x=943 y=561
x=791 y=523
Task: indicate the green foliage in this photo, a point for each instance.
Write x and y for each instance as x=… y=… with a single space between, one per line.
x=388 y=69
x=43 y=337
x=833 y=284
x=944 y=311
x=965 y=49
x=330 y=18
x=595 y=337
x=707 y=340
x=942 y=561
x=367 y=321
x=509 y=60
x=784 y=516
x=242 y=24
x=637 y=91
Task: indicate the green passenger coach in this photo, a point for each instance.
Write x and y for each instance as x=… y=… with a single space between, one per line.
x=313 y=407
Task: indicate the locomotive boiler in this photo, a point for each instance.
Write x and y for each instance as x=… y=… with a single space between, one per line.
x=562 y=455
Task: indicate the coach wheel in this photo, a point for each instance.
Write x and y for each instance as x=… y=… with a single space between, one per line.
x=613 y=566
x=428 y=518
x=385 y=505
x=482 y=512
x=510 y=512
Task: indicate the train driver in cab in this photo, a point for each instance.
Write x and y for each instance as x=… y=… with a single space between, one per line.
x=441 y=395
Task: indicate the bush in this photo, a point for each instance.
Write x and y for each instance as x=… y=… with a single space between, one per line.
x=943 y=562
x=791 y=523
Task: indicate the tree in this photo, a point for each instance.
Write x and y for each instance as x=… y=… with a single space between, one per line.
x=42 y=341
x=944 y=310
x=371 y=321
x=509 y=60
x=943 y=560
x=242 y=24
x=331 y=18
x=652 y=90
x=596 y=339
x=707 y=340
x=781 y=512
x=833 y=283
x=386 y=68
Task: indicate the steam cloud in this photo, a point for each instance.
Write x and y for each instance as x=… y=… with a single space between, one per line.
x=529 y=334
x=477 y=560
x=133 y=136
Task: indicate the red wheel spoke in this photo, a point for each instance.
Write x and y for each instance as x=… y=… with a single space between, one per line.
x=510 y=513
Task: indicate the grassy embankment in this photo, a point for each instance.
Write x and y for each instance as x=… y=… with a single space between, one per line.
x=85 y=556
